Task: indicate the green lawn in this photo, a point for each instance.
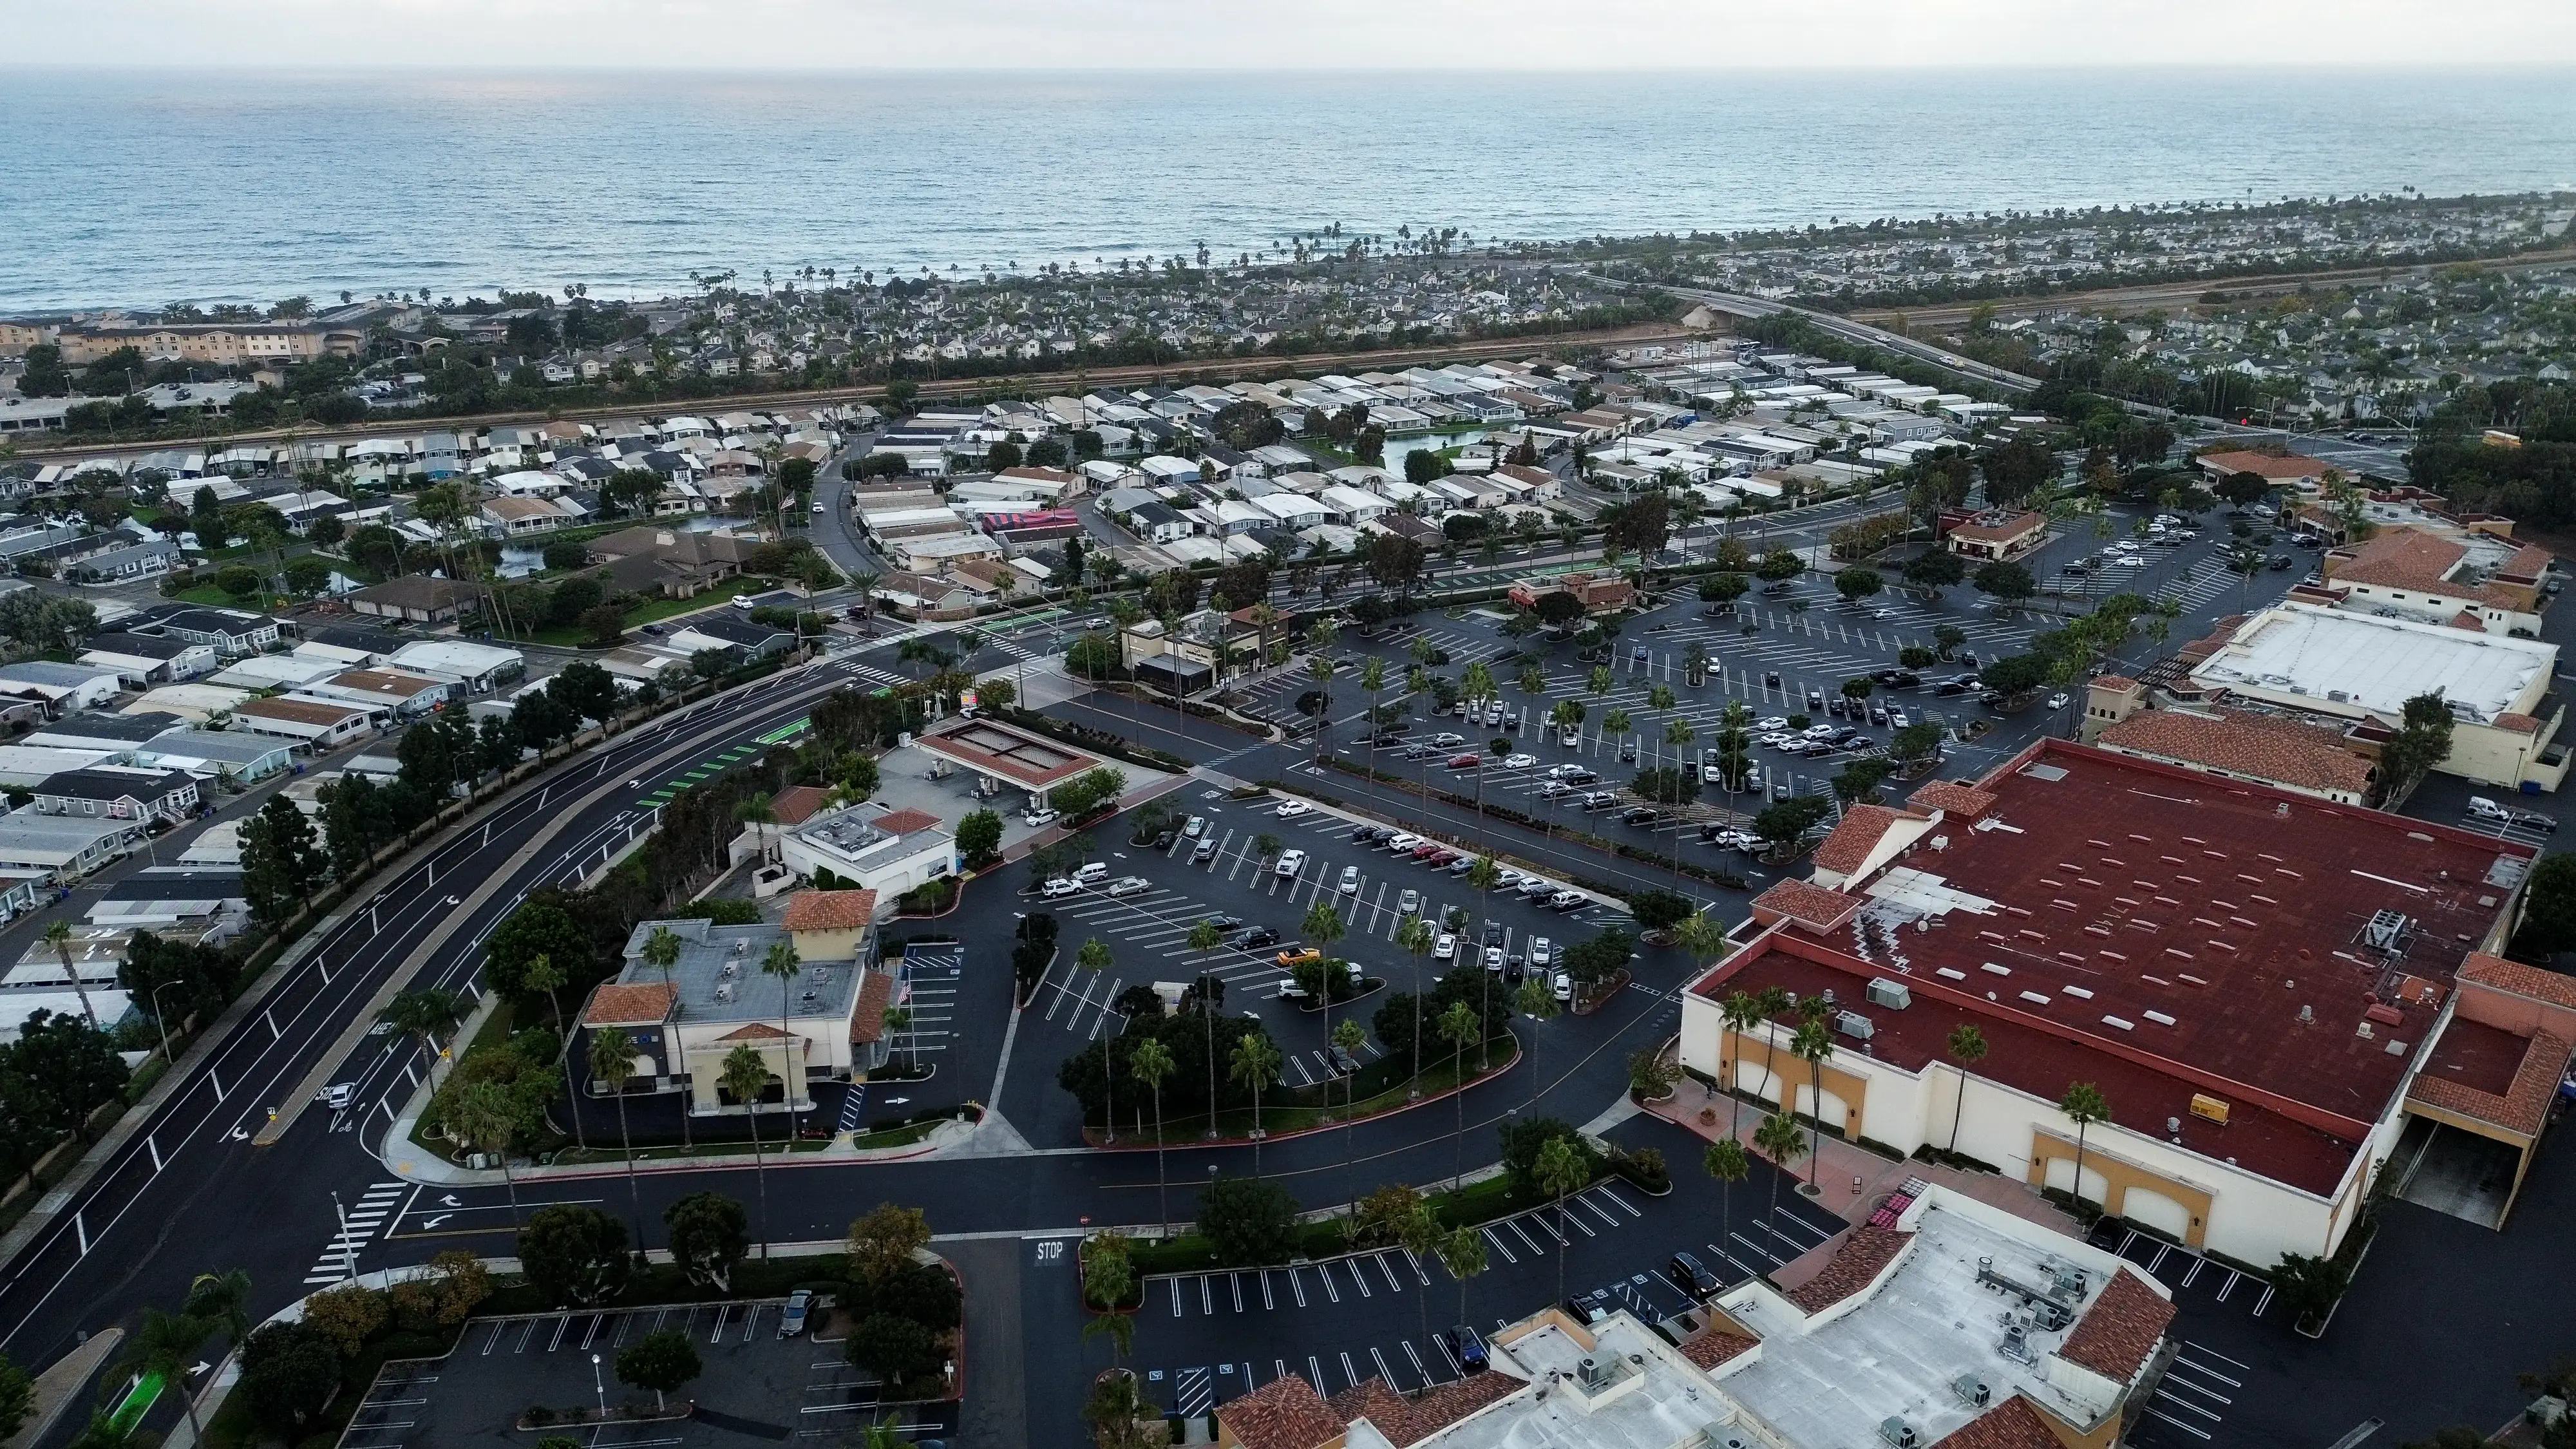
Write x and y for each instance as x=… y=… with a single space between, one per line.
x=652 y=611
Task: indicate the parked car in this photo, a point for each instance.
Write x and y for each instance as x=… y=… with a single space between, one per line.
x=1446 y=741
x=1038 y=819
x=1599 y=799
x=1130 y=885
x=1570 y=737
x=1637 y=815
x=1291 y=863
x=1294 y=808
x=1462 y=865
x=1344 y=1064
x=1092 y=873
x=1296 y=956
x=1408 y=903
x=1194 y=827
x=1370 y=834
x=1562 y=988
x=1694 y=1277
x=1350 y=885
x=1465 y=762
x=1539 y=948
x=1568 y=900
x=1402 y=841
x=1494 y=959
x=1519 y=762
x=791 y=1319
x=1465 y=1347
x=1444 y=947
x=1253 y=938
x=1058 y=888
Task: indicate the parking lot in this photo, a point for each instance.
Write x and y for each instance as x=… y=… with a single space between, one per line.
x=755 y=1384
x=1204 y=1338
x=1147 y=931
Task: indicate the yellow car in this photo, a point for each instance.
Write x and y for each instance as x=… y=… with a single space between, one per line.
x=1290 y=960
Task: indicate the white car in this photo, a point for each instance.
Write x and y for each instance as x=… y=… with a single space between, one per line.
x=1519 y=762
x=1571 y=737
x=1090 y=873
x=818 y=508
x=337 y=1096
x=1539 y=948
x=1350 y=880
x=1294 y=808
x=1709 y=775
x=742 y=601
x=1401 y=841
x=1037 y=819
x=1493 y=958
x=1771 y=723
x=1444 y=947
x=1194 y=827
x=1408 y=903
x=1563 y=989
x=1554 y=788
x=1896 y=719
x=1291 y=863
x=1821 y=731
x=2130 y=561
x=1130 y=885
x=1058 y=888
x=1559 y=772
x=2057 y=701
x=1447 y=741
x=1494 y=712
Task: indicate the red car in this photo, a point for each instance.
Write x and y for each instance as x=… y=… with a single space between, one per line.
x=1465 y=762
x=1442 y=857
x=1426 y=850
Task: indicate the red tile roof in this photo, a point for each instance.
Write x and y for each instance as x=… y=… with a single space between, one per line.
x=2157 y=932
x=2240 y=742
x=867 y=1020
x=2523 y=1107
x=1810 y=905
x=2003 y=531
x=615 y=1005
x=2520 y=980
x=1407 y=1422
x=2120 y=1330
x=2268 y=465
x=1863 y=1255
x=1715 y=1347
x=905 y=822
x=830 y=910
x=753 y=1031
x=2012 y=1424
x=797 y=803
x=1848 y=848
x=1956 y=799
x=2411 y=558
x=1285 y=1413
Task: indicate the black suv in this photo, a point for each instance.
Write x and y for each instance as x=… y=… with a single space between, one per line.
x=1696 y=1279
x=1254 y=936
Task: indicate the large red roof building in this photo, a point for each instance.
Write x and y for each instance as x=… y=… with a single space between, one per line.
x=2253 y=978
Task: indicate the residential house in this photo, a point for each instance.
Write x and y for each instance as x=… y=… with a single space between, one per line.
x=144 y=660
x=670 y=563
x=419 y=599
x=120 y=792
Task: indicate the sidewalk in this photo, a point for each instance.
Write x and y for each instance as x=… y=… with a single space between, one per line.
x=1853 y=1178
x=415 y=1164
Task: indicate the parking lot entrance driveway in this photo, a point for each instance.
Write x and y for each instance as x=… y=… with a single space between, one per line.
x=755 y=1384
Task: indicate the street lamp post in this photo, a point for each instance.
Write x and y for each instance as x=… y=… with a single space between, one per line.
x=599 y=1387
x=162 y=1021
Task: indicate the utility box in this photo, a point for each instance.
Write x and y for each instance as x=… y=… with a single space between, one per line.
x=1894 y=995
x=2208 y=1108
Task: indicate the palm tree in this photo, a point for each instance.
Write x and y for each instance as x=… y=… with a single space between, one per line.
x=1484 y=875
x=427 y=1014
x=782 y=963
x=1151 y=1062
x=1779 y=1139
x=1095 y=958
x=1419 y=1231
x=1255 y=1064
x=487 y=1117
x=1322 y=929
x=1462 y=1252
x=222 y=1299
x=1616 y=722
x=746 y=1076
x=59 y=936
x=1560 y=1170
x=1372 y=681
x=1536 y=1002
x=1967 y=1047
x=163 y=1345
x=898 y=1020
x=1457 y=1026
x=1741 y=1013
x=612 y=1061
x=662 y=952
x=1418 y=939
x=757 y=812
x=1812 y=1045
x=2083 y=1105
x=1726 y=1161
x=1350 y=1036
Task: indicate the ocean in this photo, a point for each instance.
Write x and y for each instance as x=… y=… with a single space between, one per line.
x=138 y=188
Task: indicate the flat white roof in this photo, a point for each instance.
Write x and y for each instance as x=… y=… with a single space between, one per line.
x=2377 y=664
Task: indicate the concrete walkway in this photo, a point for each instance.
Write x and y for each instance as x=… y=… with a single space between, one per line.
x=1854 y=1180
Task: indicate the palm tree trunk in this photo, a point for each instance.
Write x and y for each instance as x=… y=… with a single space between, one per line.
x=1815 y=1122
x=760 y=1174
x=1958 y=1106
x=511 y=1185
x=626 y=1146
x=1162 y=1187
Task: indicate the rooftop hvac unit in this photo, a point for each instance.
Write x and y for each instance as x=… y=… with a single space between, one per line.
x=1854 y=1025
x=1894 y=995
x=2209 y=1108
x=2386 y=931
x=1593 y=1373
x=1897 y=1432
x=1972 y=1390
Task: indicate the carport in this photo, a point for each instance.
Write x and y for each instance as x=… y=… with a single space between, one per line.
x=1007 y=755
x=2492 y=1084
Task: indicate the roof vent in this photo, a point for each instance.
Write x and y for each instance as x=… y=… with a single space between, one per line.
x=1894 y=995
x=1854 y=1025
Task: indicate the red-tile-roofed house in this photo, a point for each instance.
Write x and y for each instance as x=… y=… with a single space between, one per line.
x=2120 y=1329
x=2245 y=745
x=1285 y=1413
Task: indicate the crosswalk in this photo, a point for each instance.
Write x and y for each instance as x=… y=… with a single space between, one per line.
x=364 y=1219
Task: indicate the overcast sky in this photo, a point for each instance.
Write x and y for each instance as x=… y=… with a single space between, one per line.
x=1461 y=34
